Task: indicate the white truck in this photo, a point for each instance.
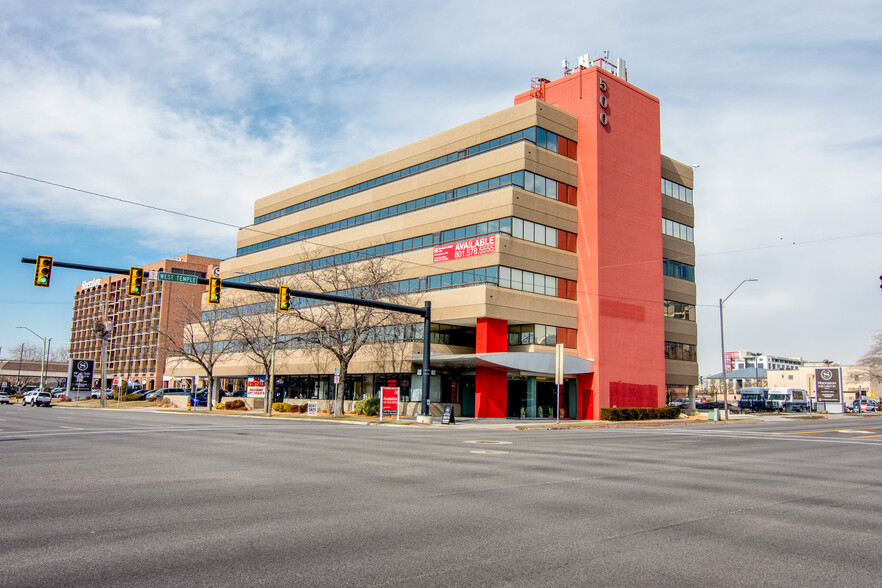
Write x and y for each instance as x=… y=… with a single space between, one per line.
x=787 y=399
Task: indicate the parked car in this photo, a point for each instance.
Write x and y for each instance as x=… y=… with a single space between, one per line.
x=200 y=398
x=679 y=402
x=864 y=404
x=96 y=394
x=166 y=391
x=37 y=398
x=4 y=398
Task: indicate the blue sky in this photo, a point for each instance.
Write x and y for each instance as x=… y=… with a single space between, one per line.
x=202 y=107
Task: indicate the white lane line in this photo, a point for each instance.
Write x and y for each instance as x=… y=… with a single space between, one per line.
x=755 y=435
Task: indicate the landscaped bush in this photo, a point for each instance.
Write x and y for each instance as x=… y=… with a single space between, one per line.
x=368 y=407
x=283 y=407
x=132 y=397
x=639 y=414
x=237 y=404
x=219 y=406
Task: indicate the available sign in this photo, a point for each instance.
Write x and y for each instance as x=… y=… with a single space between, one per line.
x=827 y=385
x=256 y=387
x=388 y=402
x=311 y=408
x=472 y=247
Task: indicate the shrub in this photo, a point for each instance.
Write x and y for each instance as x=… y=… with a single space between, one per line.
x=132 y=397
x=283 y=407
x=219 y=406
x=237 y=404
x=371 y=407
x=153 y=399
x=639 y=414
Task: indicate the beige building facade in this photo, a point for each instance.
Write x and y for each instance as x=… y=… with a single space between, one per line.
x=515 y=193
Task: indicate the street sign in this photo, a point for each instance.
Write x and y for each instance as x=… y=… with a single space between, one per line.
x=170 y=277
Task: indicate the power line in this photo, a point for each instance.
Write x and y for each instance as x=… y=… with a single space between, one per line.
x=251 y=227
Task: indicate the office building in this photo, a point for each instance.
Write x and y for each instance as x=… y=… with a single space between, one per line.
x=554 y=221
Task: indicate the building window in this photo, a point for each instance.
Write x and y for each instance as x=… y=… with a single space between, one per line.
x=679 y=310
x=680 y=351
x=677 y=230
x=675 y=269
x=675 y=190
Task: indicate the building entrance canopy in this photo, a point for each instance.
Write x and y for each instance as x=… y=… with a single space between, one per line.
x=525 y=362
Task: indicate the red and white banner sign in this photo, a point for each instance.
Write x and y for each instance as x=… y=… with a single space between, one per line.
x=256 y=387
x=388 y=402
x=479 y=246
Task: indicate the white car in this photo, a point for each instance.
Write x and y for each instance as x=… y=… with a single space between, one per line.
x=37 y=398
x=4 y=398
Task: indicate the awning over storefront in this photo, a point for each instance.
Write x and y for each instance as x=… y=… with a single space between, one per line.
x=525 y=362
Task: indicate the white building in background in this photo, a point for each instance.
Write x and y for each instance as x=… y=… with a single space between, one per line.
x=739 y=360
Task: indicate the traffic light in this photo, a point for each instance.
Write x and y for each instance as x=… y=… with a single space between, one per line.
x=284 y=298
x=43 y=271
x=214 y=287
x=136 y=281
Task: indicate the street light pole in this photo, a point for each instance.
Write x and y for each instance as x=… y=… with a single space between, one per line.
x=42 y=356
x=723 y=348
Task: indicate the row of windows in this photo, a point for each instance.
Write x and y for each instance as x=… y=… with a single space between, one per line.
x=681 y=351
x=675 y=269
x=537 y=135
x=679 y=310
x=516 y=227
x=678 y=230
x=536 y=283
x=547 y=186
x=501 y=276
x=675 y=190
x=541 y=335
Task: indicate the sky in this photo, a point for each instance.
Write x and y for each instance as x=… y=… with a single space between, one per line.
x=201 y=107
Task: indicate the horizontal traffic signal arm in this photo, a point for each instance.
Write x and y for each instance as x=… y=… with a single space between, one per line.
x=417 y=310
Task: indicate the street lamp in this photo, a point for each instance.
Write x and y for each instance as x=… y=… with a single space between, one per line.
x=42 y=356
x=723 y=346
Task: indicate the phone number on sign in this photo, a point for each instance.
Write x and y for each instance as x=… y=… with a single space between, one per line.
x=474 y=251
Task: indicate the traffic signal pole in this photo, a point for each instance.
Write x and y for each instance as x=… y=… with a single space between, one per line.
x=425 y=311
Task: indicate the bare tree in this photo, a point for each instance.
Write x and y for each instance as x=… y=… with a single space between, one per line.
x=870 y=363
x=344 y=329
x=60 y=354
x=255 y=327
x=197 y=337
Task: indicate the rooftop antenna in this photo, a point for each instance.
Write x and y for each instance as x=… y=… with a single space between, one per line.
x=566 y=66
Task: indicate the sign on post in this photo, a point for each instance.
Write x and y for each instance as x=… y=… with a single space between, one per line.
x=311 y=408
x=828 y=386
x=389 y=402
x=256 y=387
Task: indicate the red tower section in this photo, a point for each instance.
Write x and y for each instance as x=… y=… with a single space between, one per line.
x=619 y=243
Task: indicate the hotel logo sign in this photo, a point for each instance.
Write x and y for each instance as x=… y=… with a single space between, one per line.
x=469 y=248
x=827 y=385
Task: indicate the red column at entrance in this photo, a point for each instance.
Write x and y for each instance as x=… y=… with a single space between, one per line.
x=491 y=385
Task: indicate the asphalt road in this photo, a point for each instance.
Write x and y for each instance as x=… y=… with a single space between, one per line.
x=131 y=498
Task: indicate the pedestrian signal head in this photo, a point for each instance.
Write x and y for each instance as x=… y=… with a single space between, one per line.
x=43 y=271
x=136 y=281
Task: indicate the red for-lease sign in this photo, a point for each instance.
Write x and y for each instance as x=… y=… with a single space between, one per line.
x=469 y=248
x=388 y=401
